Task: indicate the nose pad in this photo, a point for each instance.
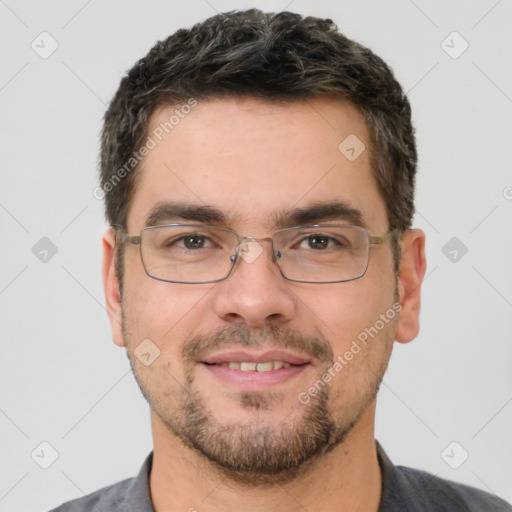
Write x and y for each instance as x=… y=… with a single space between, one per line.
x=250 y=250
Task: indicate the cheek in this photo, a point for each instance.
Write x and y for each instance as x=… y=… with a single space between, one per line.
x=361 y=335
x=154 y=341
x=342 y=311
x=166 y=314
x=154 y=306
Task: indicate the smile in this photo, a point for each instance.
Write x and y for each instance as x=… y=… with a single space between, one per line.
x=255 y=367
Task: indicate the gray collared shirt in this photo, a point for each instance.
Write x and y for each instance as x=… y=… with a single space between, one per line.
x=403 y=490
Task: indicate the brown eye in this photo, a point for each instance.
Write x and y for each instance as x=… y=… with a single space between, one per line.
x=194 y=241
x=318 y=241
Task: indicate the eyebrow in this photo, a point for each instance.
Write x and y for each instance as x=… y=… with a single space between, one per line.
x=168 y=212
x=337 y=210
x=317 y=213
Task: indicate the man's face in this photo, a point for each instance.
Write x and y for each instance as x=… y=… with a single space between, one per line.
x=252 y=161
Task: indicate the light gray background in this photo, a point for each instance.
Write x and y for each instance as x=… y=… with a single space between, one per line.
x=63 y=381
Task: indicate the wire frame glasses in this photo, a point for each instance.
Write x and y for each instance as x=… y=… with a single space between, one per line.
x=195 y=253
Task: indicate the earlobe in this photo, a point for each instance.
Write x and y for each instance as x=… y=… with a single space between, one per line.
x=111 y=286
x=412 y=272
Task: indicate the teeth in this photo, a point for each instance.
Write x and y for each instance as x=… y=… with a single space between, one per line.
x=259 y=367
x=265 y=367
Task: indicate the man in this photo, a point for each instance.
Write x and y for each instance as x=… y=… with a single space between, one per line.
x=258 y=172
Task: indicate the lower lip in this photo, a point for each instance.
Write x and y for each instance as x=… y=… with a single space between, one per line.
x=254 y=379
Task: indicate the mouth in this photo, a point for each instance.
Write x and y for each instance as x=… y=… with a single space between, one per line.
x=250 y=366
x=254 y=371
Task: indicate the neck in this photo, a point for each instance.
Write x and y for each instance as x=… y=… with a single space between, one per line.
x=347 y=478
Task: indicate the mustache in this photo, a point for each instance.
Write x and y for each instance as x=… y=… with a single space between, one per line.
x=199 y=346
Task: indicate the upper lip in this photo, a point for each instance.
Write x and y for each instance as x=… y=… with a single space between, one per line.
x=255 y=357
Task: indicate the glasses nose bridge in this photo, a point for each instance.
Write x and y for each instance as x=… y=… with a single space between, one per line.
x=243 y=242
x=245 y=239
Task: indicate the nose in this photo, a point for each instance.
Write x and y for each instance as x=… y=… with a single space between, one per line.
x=255 y=292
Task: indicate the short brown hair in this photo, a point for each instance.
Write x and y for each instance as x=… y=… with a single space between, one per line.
x=275 y=57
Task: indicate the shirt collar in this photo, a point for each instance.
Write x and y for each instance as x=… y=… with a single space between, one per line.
x=396 y=493
x=138 y=496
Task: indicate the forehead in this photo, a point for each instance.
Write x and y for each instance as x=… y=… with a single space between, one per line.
x=253 y=161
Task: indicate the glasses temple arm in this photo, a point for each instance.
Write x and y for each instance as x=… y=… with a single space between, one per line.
x=125 y=238
x=381 y=239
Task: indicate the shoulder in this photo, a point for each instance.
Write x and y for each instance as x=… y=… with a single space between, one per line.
x=406 y=489
x=107 y=499
x=422 y=491
x=127 y=495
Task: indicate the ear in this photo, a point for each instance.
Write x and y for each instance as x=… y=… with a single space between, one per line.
x=412 y=272
x=111 y=286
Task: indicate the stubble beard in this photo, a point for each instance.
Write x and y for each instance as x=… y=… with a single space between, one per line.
x=255 y=455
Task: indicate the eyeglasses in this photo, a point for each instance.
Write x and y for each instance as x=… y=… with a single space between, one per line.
x=193 y=253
